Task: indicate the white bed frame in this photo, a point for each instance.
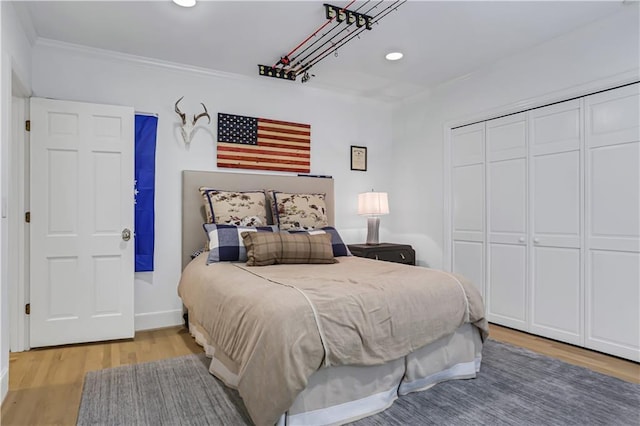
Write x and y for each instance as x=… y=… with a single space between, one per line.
x=338 y=394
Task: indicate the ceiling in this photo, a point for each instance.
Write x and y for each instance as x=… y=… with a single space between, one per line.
x=441 y=41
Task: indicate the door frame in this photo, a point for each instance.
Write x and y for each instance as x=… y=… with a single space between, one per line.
x=17 y=202
x=511 y=108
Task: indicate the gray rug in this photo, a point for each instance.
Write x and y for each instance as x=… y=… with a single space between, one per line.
x=514 y=387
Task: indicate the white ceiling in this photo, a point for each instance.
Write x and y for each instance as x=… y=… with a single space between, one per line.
x=441 y=40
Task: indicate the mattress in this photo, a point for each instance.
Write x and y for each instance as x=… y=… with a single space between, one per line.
x=271 y=329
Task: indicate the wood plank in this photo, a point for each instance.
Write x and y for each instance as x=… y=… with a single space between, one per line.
x=602 y=363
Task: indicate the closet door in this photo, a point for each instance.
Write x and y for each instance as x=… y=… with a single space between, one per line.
x=556 y=297
x=613 y=222
x=507 y=221
x=468 y=192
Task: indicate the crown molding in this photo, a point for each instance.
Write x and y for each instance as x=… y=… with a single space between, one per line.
x=192 y=69
x=141 y=60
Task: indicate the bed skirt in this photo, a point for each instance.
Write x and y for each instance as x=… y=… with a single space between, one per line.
x=341 y=394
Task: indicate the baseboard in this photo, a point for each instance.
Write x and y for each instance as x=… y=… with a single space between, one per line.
x=4 y=384
x=151 y=320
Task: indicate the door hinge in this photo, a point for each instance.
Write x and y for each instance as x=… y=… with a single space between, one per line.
x=27 y=308
x=27 y=125
x=27 y=217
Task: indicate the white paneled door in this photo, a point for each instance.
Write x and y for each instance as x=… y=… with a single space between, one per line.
x=82 y=244
x=506 y=294
x=613 y=222
x=468 y=190
x=548 y=218
x=556 y=299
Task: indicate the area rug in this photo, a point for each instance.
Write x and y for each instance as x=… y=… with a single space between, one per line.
x=514 y=387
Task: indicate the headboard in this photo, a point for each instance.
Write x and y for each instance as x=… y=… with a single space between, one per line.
x=194 y=237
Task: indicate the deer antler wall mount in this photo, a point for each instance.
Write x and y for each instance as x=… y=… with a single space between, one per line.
x=187 y=125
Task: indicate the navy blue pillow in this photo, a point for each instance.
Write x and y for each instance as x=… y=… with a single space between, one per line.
x=339 y=247
x=225 y=241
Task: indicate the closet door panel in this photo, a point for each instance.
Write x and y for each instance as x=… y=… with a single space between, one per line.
x=507 y=137
x=507 y=292
x=612 y=116
x=556 y=294
x=467 y=145
x=556 y=199
x=507 y=199
x=507 y=220
x=612 y=214
x=615 y=196
x=613 y=321
x=556 y=128
x=468 y=202
x=468 y=261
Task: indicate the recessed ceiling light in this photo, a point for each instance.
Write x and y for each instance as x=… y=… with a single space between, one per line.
x=394 y=56
x=185 y=3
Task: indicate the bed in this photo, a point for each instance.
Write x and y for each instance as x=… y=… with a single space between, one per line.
x=323 y=343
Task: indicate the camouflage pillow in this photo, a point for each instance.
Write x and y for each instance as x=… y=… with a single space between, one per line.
x=299 y=211
x=247 y=208
x=270 y=248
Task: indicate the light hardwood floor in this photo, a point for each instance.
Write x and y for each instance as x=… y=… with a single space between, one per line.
x=45 y=385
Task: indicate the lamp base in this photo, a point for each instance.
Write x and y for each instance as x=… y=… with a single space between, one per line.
x=373 y=226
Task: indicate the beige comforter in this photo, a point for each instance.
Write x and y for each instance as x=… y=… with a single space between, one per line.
x=368 y=312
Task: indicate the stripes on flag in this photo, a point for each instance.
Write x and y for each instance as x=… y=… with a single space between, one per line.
x=263 y=144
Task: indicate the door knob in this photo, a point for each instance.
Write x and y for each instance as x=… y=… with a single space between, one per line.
x=521 y=239
x=536 y=240
x=126 y=234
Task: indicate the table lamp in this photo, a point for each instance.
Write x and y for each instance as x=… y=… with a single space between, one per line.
x=373 y=204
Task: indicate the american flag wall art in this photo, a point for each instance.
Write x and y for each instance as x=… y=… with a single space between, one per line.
x=263 y=144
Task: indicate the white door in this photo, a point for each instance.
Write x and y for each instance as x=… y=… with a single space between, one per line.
x=507 y=221
x=556 y=302
x=613 y=222
x=81 y=201
x=467 y=186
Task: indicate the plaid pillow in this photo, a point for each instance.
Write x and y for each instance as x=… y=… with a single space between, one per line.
x=339 y=247
x=282 y=247
x=225 y=242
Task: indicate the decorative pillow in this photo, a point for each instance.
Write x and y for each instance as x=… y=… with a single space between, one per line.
x=272 y=205
x=246 y=208
x=197 y=253
x=225 y=242
x=339 y=247
x=282 y=247
x=299 y=211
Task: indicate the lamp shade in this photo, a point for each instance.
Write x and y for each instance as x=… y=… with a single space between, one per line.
x=373 y=203
x=185 y=3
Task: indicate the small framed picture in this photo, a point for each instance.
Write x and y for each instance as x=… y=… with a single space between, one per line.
x=359 y=158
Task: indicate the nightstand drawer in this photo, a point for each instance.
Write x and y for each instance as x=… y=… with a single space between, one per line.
x=399 y=256
x=398 y=253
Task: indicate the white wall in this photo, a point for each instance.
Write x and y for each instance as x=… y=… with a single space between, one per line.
x=337 y=121
x=15 y=70
x=599 y=54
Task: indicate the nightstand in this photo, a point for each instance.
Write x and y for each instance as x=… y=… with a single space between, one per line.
x=399 y=253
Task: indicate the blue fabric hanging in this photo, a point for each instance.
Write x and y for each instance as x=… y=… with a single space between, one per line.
x=145 y=176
